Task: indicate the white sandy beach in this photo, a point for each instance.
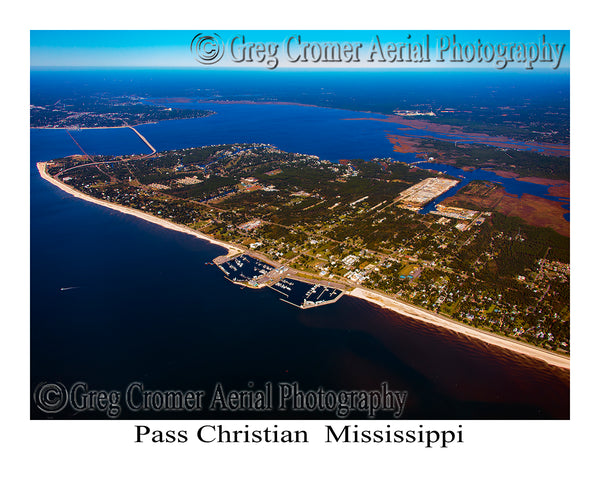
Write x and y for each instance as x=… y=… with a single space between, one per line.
x=435 y=319
x=231 y=250
x=368 y=295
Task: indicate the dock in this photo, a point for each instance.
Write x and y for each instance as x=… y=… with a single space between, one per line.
x=304 y=295
x=248 y=271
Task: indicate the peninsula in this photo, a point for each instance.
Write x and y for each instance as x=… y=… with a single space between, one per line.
x=296 y=223
x=99 y=111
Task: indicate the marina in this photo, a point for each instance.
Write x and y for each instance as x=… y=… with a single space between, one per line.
x=249 y=271
x=306 y=295
x=245 y=269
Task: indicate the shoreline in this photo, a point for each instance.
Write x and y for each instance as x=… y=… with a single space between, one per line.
x=433 y=318
x=381 y=300
x=154 y=122
x=231 y=250
x=86 y=128
x=415 y=123
x=101 y=128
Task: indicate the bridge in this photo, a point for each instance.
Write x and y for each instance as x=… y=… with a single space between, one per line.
x=144 y=140
x=97 y=164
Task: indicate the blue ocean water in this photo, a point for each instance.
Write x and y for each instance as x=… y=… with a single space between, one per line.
x=331 y=134
x=376 y=91
x=148 y=308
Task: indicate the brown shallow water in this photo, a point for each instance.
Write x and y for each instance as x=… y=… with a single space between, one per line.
x=479 y=378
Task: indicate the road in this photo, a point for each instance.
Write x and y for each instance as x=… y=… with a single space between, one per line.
x=97 y=164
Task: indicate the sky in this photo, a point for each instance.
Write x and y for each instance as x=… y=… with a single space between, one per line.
x=274 y=49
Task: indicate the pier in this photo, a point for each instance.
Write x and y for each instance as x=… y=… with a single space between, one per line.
x=247 y=271
x=303 y=294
